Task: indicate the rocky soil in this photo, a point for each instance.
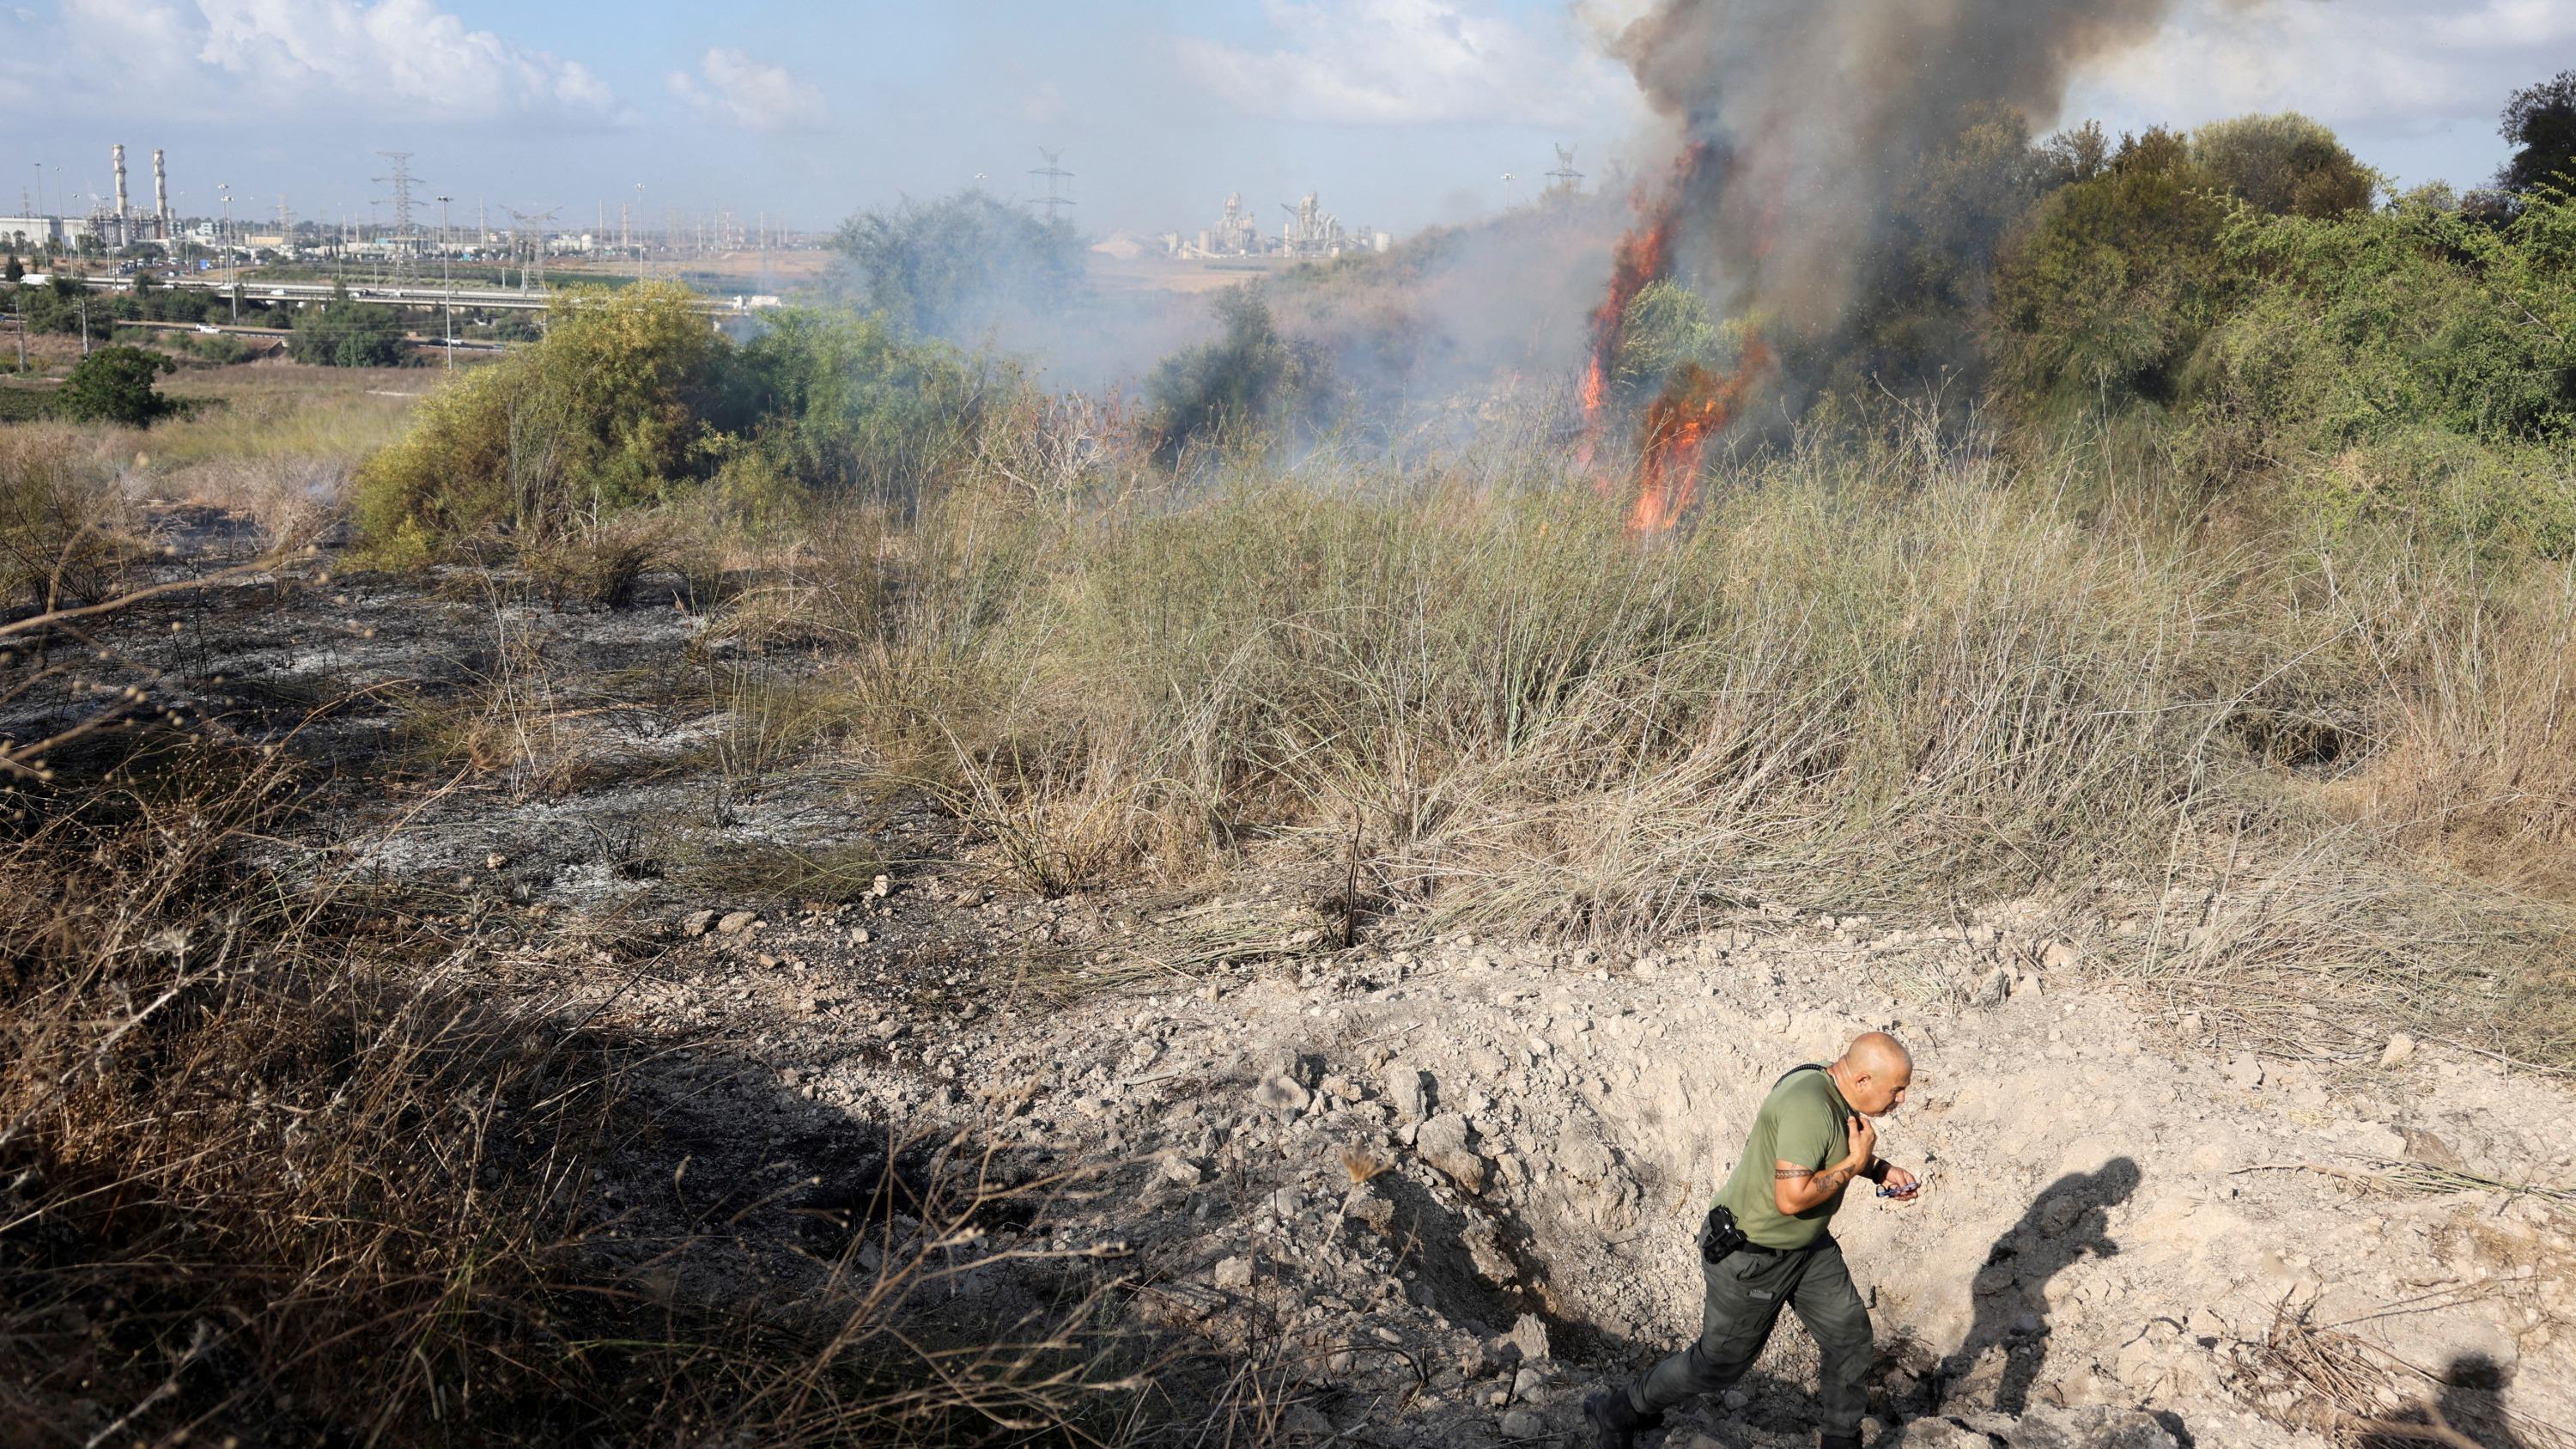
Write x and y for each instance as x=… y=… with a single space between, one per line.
x=1462 y=1180
x=1431 y=1190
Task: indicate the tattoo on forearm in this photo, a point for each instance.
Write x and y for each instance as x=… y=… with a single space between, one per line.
x=1826 y=1181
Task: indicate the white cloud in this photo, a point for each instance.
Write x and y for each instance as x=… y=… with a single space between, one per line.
x=400 y=58
x=1390 y=62
x=733 y=89
x=2367 y=67
x=25 y=80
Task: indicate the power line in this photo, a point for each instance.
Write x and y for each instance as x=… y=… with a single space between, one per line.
x=1565 y=176
x=1054 y=173
x=532 y=269
x=404 y=252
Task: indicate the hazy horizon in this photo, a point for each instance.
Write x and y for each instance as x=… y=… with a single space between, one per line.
x=1401 y=113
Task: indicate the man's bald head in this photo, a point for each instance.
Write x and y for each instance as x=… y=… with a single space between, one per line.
x=1874 y=1071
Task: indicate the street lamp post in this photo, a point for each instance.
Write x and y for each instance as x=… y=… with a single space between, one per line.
x=447 y=281
x=232 y=277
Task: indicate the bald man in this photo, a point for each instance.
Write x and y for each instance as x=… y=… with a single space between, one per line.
x=1764 y=1244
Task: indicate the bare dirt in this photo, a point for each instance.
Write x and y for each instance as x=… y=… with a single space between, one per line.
x=1433 y=1190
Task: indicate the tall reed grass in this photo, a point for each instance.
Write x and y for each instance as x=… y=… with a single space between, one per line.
x=1867 y=678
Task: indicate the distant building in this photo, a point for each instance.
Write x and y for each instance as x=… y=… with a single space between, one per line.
x=37 y=231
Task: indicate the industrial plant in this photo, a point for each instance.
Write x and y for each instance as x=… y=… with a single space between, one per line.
x=1309 y=234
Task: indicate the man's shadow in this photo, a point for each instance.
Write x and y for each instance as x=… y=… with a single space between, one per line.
x=2068 y=1220
x=2471 y=1406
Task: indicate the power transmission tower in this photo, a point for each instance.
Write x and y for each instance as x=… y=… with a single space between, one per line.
x=285 y=230
x=532 y=235
x=1054 y=174
x=1565 y=176
x=405 y=249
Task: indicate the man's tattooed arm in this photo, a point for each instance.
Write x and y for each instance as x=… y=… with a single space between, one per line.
x=1825 y=1183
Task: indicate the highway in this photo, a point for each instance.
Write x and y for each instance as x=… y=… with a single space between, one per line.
x=478 y=300
x=282 y=333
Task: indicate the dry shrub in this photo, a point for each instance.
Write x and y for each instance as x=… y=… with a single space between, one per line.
x=62 y=522
x=1056 y=835
x=599 y=563
x=830 y=586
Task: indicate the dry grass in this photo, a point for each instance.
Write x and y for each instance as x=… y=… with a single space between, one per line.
x=1869 y=679
x=600 y=563
x=62 y=523
x=2318 y=1378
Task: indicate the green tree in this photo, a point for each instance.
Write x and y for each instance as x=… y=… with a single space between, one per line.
x=2078 y=153
x=2286 y=165
x=2540 y=124
x=960 y=266
x=2115 y=280
x=1933 y=287
x=347 y=333
x=16 y=271
x=114 y=385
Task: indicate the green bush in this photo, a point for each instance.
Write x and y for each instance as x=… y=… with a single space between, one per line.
x=1666 y=327
x=601 y=415
x=631 y=400
x=114 y=385
x=2414 y=359
x=839 y=404
x=1250 y=378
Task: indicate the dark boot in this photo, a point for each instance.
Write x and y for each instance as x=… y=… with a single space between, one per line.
x=1615 y=1421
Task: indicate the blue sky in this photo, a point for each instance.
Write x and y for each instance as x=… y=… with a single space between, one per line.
x=1400 y=112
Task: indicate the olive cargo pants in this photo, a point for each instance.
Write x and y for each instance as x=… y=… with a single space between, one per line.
x=1745 y=1294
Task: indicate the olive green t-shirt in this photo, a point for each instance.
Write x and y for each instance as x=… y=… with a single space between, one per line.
x=1802 y=1121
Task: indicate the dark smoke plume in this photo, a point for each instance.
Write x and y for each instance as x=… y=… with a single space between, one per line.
x=1802 y=119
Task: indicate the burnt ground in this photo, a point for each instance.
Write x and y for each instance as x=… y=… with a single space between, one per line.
x=1420 y=1190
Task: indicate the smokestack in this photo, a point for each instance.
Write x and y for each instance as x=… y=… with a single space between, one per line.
x=161 y=193
x=116 y=154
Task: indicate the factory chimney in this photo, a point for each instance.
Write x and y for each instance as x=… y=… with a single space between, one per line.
x=161 y=195
x=124 y=228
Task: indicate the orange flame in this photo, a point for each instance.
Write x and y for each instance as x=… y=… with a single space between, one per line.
x=1696 y=405
x=1642 y=256
x=1694 y=409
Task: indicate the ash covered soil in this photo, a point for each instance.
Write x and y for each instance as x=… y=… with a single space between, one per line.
x=1425 y=1189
